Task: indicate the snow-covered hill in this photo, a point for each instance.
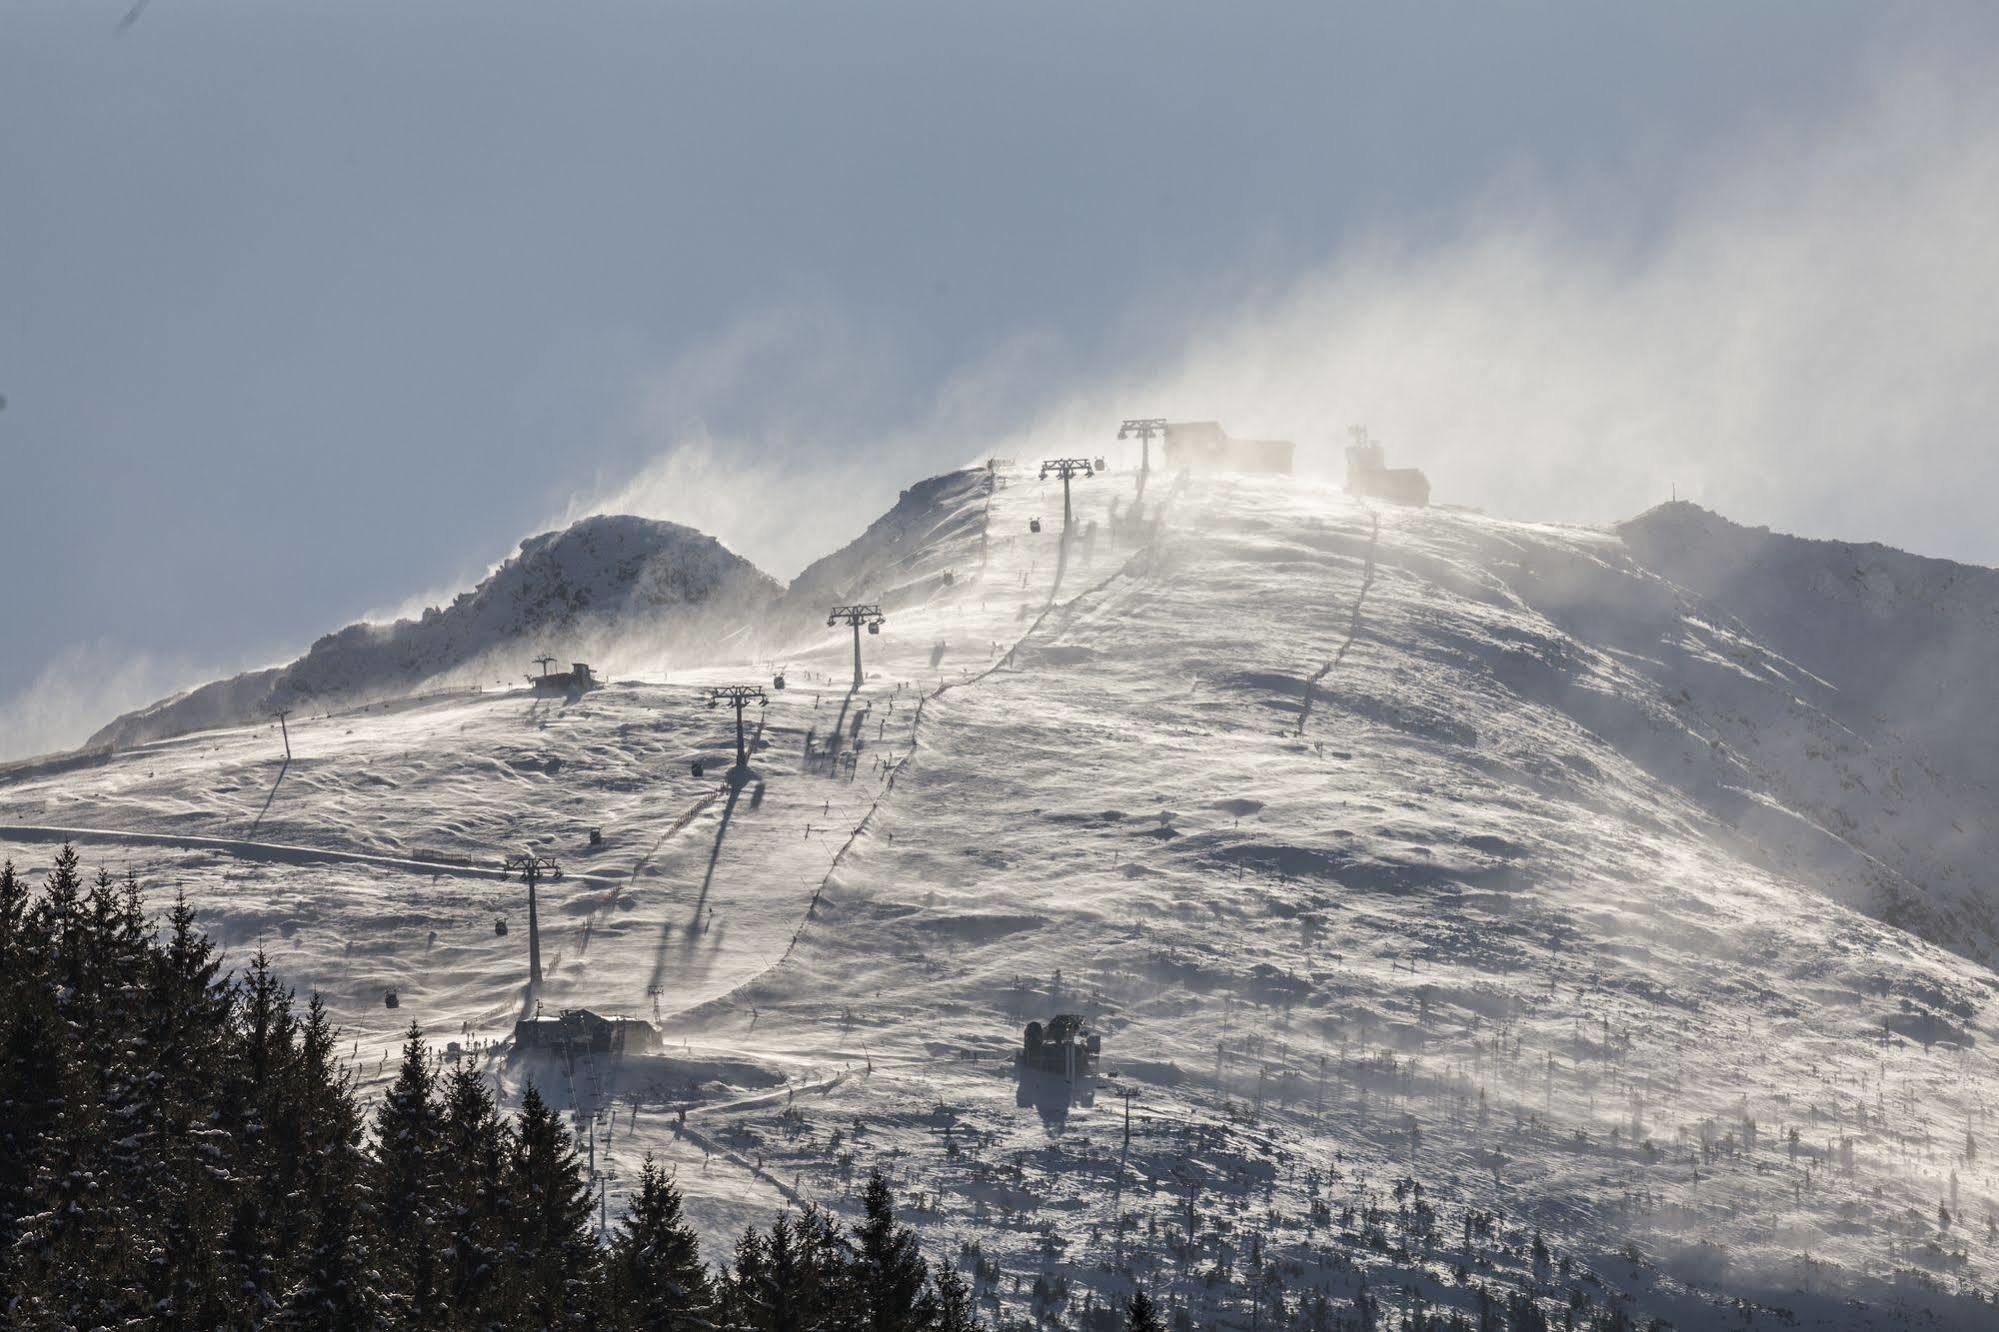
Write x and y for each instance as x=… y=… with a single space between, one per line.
x=906 y=557
x=634 y=587
x=1437 y=883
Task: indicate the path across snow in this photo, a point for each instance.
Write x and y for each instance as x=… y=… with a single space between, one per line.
x=282 y=852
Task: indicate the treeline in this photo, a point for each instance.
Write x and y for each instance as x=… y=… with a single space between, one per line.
x=181 y=1148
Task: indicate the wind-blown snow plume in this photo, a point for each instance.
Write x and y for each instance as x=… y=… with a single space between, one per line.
x=1805 y=337
x=76 y=692
x=1801 y=335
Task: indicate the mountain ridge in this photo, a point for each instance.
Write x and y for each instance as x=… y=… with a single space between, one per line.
x=602 y=578
x=1383 y=847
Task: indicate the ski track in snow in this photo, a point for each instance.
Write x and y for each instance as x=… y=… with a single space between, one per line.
x=1353 y=626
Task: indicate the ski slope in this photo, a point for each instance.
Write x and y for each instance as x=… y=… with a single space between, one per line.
x=1380 y=845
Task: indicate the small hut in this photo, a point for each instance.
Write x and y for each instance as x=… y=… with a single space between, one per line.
x=1065 y=1048
x=578 y=1031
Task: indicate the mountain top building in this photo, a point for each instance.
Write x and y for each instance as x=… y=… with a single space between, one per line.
x=1370 y=477
x=1205 y=447
x=576 y=1031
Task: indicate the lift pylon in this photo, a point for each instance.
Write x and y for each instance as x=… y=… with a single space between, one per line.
x=857 y=615
x=532 y=869
x=1143 y=428
x=739 y=697
x=1066 y=468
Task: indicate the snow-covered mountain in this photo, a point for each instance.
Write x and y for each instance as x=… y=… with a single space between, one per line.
x=636 y=586
x=1441 y=886
x=905 y=557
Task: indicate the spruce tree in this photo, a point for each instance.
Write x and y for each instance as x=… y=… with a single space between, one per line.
x=797 y=1278
x=1140 y=1316
x=264 y=1228
x=889 y=1269
x=13 y=918
x=80 y=1257
x=31 y=1049
x=955 y=1312
x=657 y=1278
x=187 y=1134
x=551 y=1255
x=336 y=1288
x=475 y=1203
x=407 y=1182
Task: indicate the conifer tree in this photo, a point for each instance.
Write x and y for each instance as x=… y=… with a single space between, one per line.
x=1140 y=1316
x=551 y=1256
x=407 y=1180
x=186 y=1134
x=13 y=917
x=263 y=1230
x=56 y=916
x=475 y=1203
x=657 y=1278
x=955 y=1311
x=889 y=1269
x=796 y=1278
x=30 y=1048
x=336 y=1288
x=78 y=1260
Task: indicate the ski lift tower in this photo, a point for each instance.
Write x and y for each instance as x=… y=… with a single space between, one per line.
x=739 y=696
x=1143 y=429
x=532 y=868
x=857 y=615
x=1066 y=468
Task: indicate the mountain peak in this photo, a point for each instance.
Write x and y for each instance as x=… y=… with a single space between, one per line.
x=602 y=580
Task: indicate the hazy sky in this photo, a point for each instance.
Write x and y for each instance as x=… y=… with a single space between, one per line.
x=311 y=309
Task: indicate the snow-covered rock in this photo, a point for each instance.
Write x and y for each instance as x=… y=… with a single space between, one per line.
x=921 y=546
x=635 y=588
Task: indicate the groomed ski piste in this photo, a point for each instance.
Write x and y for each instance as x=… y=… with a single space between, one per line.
x=1435 y=882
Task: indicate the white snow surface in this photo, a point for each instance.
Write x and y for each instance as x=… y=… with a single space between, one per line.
x=1380 y=845
x=640 y=585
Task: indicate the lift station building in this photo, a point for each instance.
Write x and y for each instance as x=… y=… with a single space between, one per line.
x=1204 y=446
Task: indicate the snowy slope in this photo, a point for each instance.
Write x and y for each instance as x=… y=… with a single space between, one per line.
x=1400 y=846
x=628 y=585
x=906 y=557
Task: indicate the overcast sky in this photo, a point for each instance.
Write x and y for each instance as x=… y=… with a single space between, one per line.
x=310 y=311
